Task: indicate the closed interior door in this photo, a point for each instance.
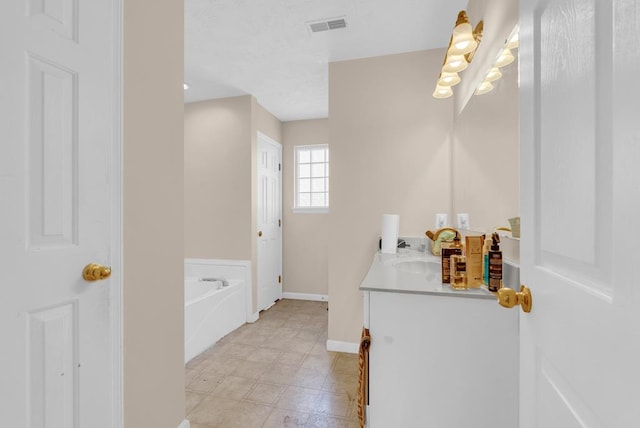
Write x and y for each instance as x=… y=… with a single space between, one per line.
x=580 y=148
x=57 y=138
x=269 y=222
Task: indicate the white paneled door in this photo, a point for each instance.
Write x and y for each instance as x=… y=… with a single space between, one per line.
x=580 y=201
x=269 y=225
x=59 y=200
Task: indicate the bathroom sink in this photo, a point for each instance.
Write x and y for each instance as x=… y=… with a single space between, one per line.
x=418 y=266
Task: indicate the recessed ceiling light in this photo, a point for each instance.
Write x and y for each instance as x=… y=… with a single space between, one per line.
x=186 y=86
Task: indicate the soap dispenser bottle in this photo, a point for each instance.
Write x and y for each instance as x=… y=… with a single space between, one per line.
x=495 y=264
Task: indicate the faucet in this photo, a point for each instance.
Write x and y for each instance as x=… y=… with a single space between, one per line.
x=224 y=282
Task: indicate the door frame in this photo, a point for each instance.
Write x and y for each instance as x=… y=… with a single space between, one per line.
x=116 y=38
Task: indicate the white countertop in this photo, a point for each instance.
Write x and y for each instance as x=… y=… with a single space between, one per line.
x=384 y=276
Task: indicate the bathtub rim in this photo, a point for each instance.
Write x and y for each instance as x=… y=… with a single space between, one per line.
x=232 y=284
x=245 y=265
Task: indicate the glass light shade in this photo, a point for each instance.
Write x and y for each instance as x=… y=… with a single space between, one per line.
x=462 y=41
x=448 y=79
x=484 y=88
x=493 y=75
x=505 y=58
x=514 y=41
x=455 y=63
x=442 y=92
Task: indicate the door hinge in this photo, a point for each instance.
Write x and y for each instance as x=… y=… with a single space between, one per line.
x=279 y=167
x=279 y=223
x=279 y=279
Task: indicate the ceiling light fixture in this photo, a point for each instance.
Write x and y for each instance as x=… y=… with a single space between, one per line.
x=462 y=46
x=504 y=58
x=448 y=79
x=484 y=88
x=514 y=39
x=493 y=75
x=455 y=64
x=462 y=38
x=442 y=92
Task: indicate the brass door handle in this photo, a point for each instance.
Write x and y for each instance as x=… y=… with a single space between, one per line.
x=260 y=233
x=510 y=298
x=96 y=272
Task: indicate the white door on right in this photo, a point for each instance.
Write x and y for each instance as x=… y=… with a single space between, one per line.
x=580 y=202
x=269 y=214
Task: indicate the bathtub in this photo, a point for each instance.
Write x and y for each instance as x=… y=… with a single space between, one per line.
x=211 y=312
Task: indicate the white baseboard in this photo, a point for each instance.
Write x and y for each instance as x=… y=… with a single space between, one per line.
x=184 y=424
x=253 y=318
x=337 y=346
x=305 y=296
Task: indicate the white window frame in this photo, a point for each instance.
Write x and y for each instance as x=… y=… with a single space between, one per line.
x=308 y=210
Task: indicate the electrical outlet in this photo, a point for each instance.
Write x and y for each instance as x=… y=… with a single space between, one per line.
x=463 y=221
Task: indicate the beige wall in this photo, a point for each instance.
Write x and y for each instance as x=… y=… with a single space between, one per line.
x=267 y=123
x=486 y=154
x=390 y=153
x=217 y=179
x=220 y=185
x=305 y=236
x=153 y=294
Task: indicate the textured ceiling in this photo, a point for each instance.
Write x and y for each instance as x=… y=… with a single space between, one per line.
x=264 y=47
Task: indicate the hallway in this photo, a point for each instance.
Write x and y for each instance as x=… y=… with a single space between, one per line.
x=274 y=373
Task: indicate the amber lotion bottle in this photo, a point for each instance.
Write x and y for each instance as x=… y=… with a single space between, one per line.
x=458 y=275
x=446 y=253
x=473 y=249
x=495 y=264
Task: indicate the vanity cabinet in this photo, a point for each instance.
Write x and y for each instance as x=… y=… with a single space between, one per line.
x=441 y=361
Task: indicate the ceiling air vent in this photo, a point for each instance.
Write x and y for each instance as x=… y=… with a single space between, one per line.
x=327 y=24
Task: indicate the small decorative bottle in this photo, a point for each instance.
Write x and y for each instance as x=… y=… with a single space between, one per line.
x=458 y=265
x=447 y=251
x=495 y=264
x=485 y=259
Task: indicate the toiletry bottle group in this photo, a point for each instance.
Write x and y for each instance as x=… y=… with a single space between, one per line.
x=476 y=263
x=462 y=264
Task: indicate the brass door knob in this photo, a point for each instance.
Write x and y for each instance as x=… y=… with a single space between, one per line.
x=96 y=272
x=260 y=233
x=510 y=298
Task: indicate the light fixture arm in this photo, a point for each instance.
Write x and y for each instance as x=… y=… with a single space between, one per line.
x=462 y=18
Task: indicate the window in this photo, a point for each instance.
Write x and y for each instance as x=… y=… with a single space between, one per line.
x=312 y=179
